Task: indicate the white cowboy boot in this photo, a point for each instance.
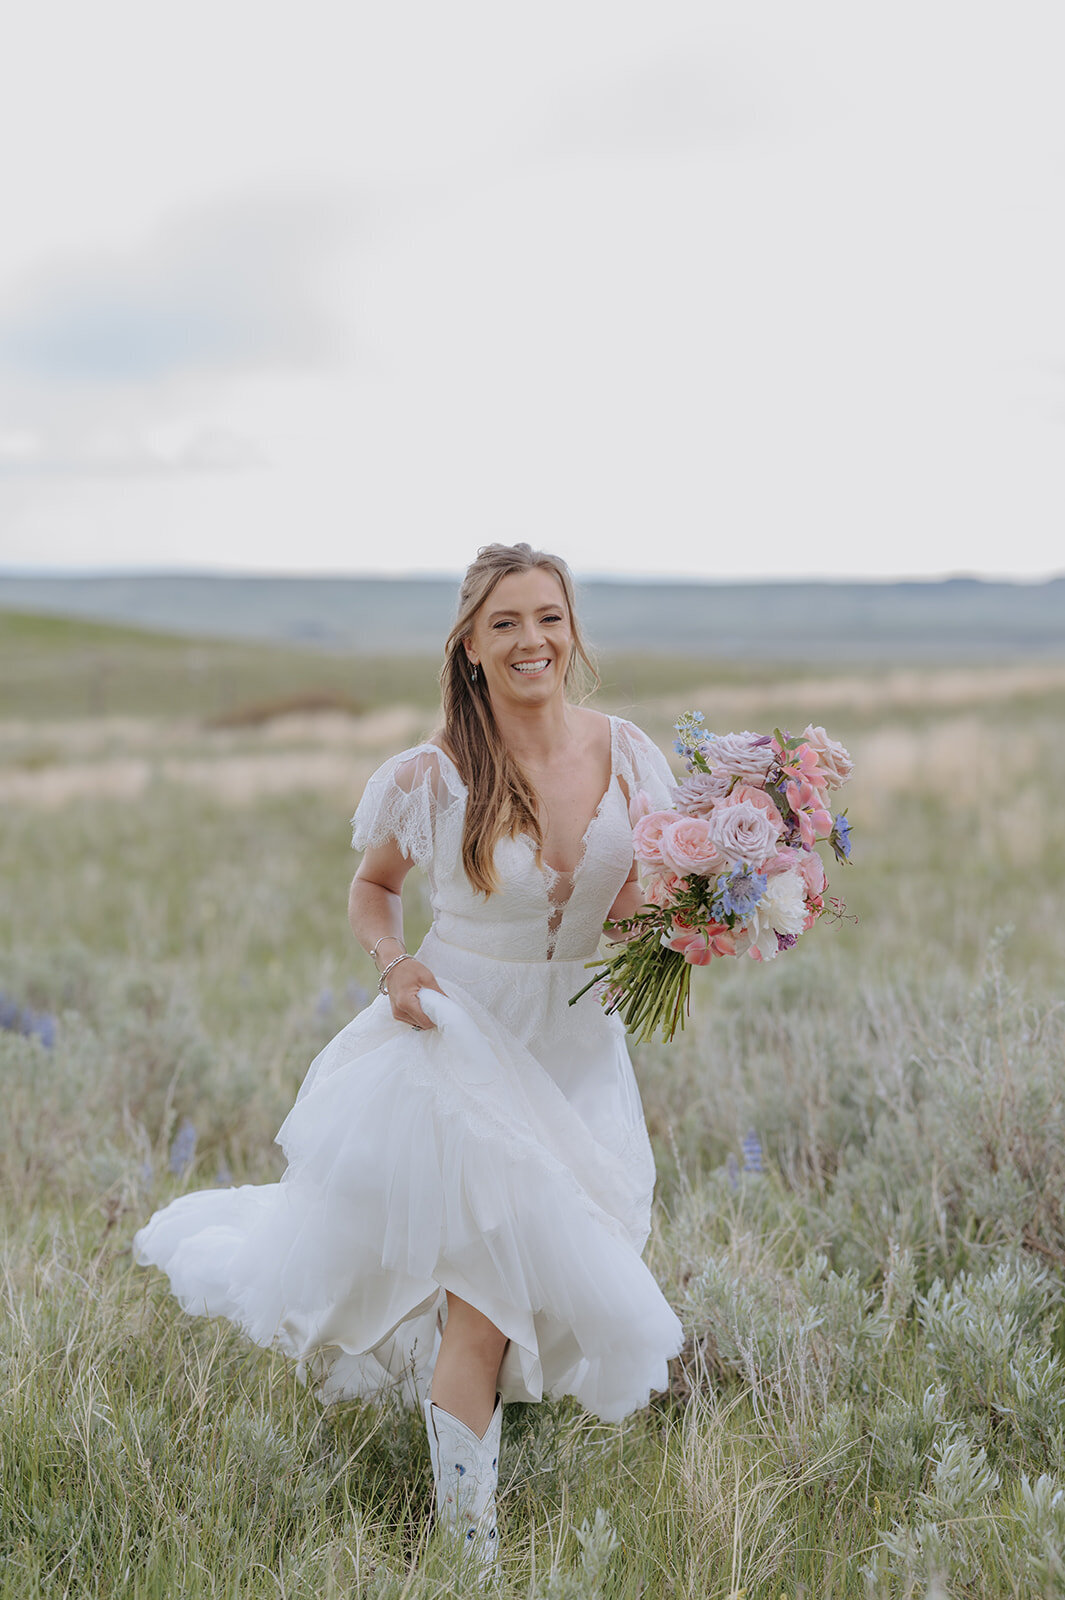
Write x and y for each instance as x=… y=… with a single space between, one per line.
x=465 y=1471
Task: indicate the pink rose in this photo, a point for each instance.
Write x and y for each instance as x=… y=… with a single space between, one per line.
x=783 y=861
x=687 y=847
x=759 y=798
x=702 y=791
x=743 y=832
x=641 y=805
x=647 y=836
x=832 y=758
x=662 y=888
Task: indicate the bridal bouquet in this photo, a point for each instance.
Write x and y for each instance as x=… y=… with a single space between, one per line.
x=731 y=870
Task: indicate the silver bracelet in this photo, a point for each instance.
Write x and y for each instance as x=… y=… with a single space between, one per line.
x=393 y=963
x=380 y=942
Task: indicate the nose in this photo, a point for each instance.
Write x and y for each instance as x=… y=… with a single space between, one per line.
x=532 y=635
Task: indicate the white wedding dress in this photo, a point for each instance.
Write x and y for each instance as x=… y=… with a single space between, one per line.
x=502 y=1155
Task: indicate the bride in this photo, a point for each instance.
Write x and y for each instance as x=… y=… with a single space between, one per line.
x=469 y=1176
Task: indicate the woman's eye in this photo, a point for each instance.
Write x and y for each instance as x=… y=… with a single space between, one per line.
x=503 y=624
x=551 y=618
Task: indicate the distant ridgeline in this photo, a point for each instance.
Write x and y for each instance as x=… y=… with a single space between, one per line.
x=957 y=618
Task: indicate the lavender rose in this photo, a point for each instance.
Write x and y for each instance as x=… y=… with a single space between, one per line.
x=747 y=755
x=701 y=792
x=743 y=832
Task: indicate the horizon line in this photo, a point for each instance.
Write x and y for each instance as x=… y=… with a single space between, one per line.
x=454 y=576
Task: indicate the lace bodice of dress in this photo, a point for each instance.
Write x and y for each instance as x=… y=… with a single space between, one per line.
x=418 y=799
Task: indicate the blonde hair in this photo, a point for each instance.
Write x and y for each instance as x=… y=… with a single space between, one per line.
x=501 y=799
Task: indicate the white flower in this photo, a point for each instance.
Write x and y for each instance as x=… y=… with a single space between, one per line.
x=738 y=753
x=782 y=909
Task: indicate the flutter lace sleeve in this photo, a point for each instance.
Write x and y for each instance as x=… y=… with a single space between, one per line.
x=645 y=771
x=401 y=802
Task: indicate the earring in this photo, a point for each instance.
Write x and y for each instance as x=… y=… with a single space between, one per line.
x=473 y=672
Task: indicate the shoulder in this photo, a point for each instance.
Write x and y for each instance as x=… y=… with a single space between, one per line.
x=633 y=739
x=425 y=764
x=418 y=776
x=641 y=765
x=595 y=727
x=403 y=798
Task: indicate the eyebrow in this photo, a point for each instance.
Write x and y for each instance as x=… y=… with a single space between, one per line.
x=551 y=605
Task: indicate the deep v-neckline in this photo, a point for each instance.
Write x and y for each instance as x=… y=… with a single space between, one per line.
x=551 y=879
x=582 y=847
x=552 y=874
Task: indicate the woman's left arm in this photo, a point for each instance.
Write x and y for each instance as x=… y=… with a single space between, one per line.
x=630 y=900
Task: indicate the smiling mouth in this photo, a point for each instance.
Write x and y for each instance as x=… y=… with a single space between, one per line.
x=532 y=669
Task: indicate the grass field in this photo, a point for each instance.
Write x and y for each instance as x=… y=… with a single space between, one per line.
x=872 y=1396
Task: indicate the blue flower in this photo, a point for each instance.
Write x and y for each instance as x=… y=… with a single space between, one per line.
x=752 y=1152
x=739 y=892
x=840 y=837
x=692 y=736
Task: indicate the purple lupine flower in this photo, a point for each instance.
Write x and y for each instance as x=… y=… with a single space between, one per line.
x=183 y=1149
x=39 y=1025
x=23 y=1019
x=752 y=1152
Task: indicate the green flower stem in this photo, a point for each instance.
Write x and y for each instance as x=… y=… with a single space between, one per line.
x=653 y=986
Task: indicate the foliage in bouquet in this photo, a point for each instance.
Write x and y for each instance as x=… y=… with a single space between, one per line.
x=731 y=869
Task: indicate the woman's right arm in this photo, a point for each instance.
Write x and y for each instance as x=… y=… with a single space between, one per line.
x=375 y=911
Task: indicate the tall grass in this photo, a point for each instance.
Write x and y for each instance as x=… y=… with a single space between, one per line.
x=860 y=1215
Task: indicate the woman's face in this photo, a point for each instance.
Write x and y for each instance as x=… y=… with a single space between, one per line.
x=522 y=639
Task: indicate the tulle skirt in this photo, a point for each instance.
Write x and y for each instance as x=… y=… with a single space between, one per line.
x=502 y=1155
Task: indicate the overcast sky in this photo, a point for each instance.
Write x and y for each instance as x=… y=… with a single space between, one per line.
x=770 y=288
